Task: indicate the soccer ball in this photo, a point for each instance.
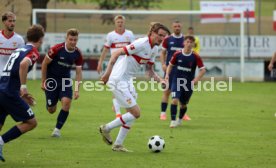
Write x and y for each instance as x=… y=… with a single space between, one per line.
x=156 y=143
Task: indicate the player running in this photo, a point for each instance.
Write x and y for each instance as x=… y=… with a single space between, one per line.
x=14 y=96
x=56 y=82
x=141 y=51
x=184 y=78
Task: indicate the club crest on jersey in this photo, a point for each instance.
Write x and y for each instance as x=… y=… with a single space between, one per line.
x=50 y=52
x=34 y=58
x=14 y=44
x=132 y=47
x=128 y=101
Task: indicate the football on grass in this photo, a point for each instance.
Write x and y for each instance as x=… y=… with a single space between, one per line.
x=156 y=143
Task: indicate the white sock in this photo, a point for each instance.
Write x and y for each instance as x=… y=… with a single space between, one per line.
x=123 y=133
x=116 y=106
x=120 y=121
x=1 y=141
x=163 y=113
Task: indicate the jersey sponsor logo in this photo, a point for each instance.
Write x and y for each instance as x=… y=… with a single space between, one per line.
x=176 y=48
x=142 y=61
x=119 y=45
x=184 y=69
x=64 y=64
x=14 y=44
x=6 y=51
x=132 y=47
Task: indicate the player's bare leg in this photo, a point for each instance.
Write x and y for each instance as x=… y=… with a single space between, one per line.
x=164 y=104
x=52 y=109
x=62 y=117
x=15 y=132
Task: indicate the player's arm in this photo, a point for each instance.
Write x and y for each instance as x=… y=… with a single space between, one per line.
x=44 y=66
x=201 y=67
x=201 y=73
x=152 y=74
x=78 y=79
x=23 y=71
x=163 y=58
x=101 y=59
x=113 y=59
x=168 y=71
x=273 y=59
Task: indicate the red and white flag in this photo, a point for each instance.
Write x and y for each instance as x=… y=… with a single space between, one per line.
x=220 y=6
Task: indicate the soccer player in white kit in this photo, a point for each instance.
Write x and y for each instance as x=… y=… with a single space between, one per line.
x=9 y=40
x=116 y=39
x=141 y=51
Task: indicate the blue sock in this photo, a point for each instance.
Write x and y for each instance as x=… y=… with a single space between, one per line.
x=164 y=107
x=182 y=112
x=13 y=133
x=173 y=111
x=61 y=119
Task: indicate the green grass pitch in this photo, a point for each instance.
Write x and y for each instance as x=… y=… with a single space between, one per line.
x=228 y=130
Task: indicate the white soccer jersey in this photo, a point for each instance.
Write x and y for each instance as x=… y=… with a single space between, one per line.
x=115 y=40
x=137 y=53
x=7 y=45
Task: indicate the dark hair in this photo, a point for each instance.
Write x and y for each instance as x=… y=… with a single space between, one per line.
x=155 y=26
x=190 y=28
x=72 y=32
x=6 y=15
x=190 y=38
x=35 y=33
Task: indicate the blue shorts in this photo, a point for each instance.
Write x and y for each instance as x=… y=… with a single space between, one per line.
x=171 y=77
x=52 y=97
x=14 y=106
x=183 y=94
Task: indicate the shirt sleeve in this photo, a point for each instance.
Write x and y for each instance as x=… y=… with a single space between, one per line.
x=199 y=61
x=165 y=44
x=108 y=41
x=21 y=43
x=33 y=56
x=134 y=47
x=79 y=60
x=132 y=37
x=174 y=58
x=53 y=51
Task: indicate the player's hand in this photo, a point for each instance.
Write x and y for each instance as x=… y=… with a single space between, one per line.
x=23 y=91
x=105 y=78
x=42 y=86
x=164 y=67
x=29 y=99
x=164 y=83
x=76 y=95
x=99 y=68
x=194 y=82
x=270 y=67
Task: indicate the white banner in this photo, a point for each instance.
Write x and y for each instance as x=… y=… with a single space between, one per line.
x=234 y=6
x=211 y=46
